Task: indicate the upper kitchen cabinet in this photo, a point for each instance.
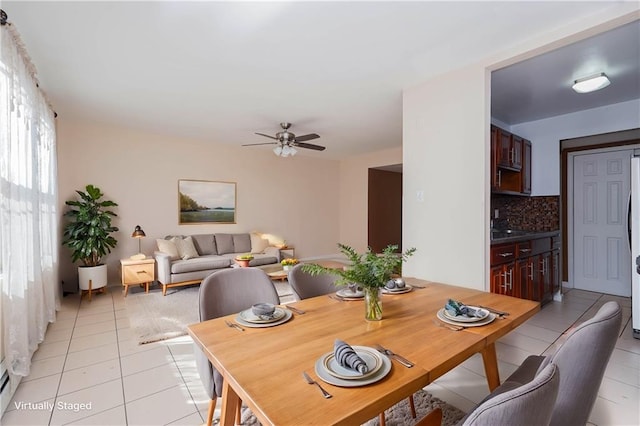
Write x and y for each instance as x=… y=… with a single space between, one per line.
x=510 y=163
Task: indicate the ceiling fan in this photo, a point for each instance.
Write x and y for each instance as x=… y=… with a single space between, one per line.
x=287 y=142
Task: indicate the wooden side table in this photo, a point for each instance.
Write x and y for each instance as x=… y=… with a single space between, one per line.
x=140 y=271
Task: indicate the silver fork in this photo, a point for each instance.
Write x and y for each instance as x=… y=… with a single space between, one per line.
x=334 y=297
x=233 y=325
x=309 y=380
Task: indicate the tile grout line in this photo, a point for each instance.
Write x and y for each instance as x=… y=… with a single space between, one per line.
x=75 y=322
x=193 y=400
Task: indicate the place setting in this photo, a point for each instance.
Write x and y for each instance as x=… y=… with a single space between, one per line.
x=396 y=286
x=461 y=315
x=263 y=315
x=351 y=292
x=352 y=366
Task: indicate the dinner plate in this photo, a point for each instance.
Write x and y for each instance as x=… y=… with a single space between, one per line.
x=324 y=375
x=249 y=316
x=442 y=317
x=345 y=293
x=464 y=318
x=371 y=357
x=285 y=318
x=406 y=289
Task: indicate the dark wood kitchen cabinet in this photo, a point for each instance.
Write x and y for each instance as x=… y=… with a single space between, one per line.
x=528 y=269
x=510 y=163
x=503 y=273
x=526 y=167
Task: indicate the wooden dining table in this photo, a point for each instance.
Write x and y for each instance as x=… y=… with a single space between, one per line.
x=262 y=367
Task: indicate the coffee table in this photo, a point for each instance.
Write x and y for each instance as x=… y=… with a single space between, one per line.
x=278 y=275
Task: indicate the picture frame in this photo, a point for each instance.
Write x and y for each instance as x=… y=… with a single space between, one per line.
x=206 y=202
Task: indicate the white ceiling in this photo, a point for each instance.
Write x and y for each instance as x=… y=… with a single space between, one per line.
x=220 y=71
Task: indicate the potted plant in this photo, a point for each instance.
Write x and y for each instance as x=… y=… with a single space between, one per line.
x=88 y=235
x=244 y=259
x=289 y=263
x=369 y=270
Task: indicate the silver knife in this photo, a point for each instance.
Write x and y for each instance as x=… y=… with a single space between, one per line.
x=494 y=311
x=391 y=354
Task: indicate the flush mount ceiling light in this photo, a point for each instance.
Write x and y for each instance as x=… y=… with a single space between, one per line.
x=591 y=83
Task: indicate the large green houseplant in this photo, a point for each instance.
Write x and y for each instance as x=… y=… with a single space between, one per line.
x=369 y=270
x=88 y=232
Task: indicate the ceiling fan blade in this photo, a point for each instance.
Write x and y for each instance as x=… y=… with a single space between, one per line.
x=310 y=146
x=308 y=137
x=265 y=143
x=266 y=136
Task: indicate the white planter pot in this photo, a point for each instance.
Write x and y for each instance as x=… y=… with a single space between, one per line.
x=97 y=275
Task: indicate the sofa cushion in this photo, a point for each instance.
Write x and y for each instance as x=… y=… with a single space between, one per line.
x=224 y=243
x=186 y=248
x=199 y=264
x=205 y=244
x=258 y=244
x=168 y=247
x=242 y=243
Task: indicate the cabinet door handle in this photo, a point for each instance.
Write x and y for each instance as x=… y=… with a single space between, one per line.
x=525 y=250
x=509 y=282
x=499 y=178
x=530 y=265
x=505 y=254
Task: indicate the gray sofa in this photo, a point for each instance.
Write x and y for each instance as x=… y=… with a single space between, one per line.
x=214 y=252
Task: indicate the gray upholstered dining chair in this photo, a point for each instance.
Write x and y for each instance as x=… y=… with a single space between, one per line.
x=223 y=293
x=582 y=359
x=305 y=285
x=512 y=403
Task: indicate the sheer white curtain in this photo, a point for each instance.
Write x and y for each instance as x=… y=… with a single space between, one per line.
x=28 y=216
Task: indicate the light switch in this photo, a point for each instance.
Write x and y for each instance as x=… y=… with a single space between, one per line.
x=420 y=196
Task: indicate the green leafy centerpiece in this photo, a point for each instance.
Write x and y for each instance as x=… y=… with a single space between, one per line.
x=368 y=270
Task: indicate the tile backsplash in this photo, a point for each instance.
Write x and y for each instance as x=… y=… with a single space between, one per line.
x=536 y=214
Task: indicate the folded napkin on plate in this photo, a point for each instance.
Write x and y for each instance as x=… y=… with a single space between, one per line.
x=348 y=358
x=456 y=308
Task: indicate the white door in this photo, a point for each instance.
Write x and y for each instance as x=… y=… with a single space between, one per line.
x=601 y=185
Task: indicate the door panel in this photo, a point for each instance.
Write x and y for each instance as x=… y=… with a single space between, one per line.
x=601 y=184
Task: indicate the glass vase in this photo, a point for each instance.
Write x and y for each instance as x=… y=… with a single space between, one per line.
x=372 y=304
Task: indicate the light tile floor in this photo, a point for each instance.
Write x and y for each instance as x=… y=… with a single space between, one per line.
x=92 y=371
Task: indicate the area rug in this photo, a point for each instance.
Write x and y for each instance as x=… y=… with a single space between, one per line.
x=154 y=317
x=397 y=415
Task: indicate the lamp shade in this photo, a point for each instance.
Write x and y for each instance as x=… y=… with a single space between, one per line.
x=138 y=232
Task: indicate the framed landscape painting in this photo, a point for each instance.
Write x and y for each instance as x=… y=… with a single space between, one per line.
x=201 y=201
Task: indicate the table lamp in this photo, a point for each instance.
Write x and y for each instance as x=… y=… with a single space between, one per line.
x=138 y=233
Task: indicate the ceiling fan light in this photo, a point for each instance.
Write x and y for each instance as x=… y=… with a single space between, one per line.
x=286 y=151
x=277 y=150
x=591 y=83
x=292 y=151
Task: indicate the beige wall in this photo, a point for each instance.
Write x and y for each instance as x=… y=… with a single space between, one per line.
x=289 y=197
x=445 y=124
x=354 y=176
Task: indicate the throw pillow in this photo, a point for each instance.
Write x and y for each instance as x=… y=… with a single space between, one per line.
x=241 y=243
x=258 y=244
x=168 y=247
x=186 y=248
x=224 y=243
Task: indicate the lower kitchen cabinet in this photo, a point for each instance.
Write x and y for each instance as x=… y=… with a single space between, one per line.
x=528 y=269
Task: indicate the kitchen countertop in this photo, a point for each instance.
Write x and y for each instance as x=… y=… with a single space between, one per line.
x=514 y=236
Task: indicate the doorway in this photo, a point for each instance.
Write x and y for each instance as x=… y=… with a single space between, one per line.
x=384 y=226
x=575 y=246
x=600 y=185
